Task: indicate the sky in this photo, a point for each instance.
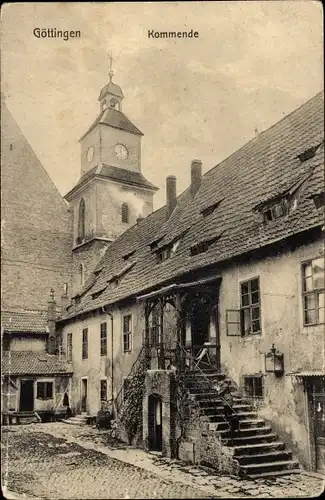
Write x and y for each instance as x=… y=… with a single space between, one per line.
x=200 y=98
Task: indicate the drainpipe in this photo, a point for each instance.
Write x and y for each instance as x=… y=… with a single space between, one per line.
x=112 y=347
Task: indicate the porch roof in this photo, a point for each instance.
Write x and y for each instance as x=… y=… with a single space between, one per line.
x=179 y=286
x=33 y=363
x=307 y=373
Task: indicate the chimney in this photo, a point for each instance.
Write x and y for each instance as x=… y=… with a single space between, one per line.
x=196 y=176
x=51 y=317
x=170 y=195
x=139 y=219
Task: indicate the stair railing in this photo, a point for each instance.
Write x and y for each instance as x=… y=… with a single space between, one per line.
x=210 y=385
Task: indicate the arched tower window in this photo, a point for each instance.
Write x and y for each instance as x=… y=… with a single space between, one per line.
x=81 y=220
x=81 y=275
x=125 y=212
x=114 y=103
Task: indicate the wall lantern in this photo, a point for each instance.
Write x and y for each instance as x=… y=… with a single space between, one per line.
x=274 y=361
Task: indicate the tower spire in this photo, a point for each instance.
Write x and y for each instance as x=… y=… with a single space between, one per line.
x=111 y=72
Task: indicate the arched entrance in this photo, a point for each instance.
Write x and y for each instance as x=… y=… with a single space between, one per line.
x=155 y=422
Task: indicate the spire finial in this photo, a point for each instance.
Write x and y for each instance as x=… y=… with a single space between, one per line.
x=111 y=72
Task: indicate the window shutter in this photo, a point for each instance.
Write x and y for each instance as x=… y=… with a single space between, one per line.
x=234 y=322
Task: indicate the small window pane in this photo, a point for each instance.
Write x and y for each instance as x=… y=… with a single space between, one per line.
x=244 y=288
x=318 y=273
x=255 y=313
x=308 y=284
x=310 y=316
x=247 y=321
x=310 y=301
x=256 y=326
x=307 y=270
x=255 y=297
x=245 y=300
x=254 y=285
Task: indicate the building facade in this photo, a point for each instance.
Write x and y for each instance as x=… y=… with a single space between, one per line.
x=232 y=268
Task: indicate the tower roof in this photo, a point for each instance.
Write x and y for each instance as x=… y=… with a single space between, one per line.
x=111 y=88
x=116 y=119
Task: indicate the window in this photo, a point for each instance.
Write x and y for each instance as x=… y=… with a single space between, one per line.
x=155 y=331
x=69 y=347
x=81 y=275
x=203 y=246
x=85 y=343
x=125 y=213
x=210 y=209
x=103 y=339
x=127 y=333
x=81 y=221
x=163 y=254
x=277 y=210
x=253 y=386
x=319 y=200
x=309 y=153
x=103 y=390
x=65 y=288
x=313 y=290
x=44 y=390
x=250 y=305
x=247 y=319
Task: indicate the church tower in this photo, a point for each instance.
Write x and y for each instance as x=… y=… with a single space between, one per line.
x=111 y=193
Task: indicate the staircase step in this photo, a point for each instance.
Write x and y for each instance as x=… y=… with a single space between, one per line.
x=260 y=468
x=243 y=415
x=260 y=438
x=274 y=474
x=254 y=449
x=271 y=456
x=252 y=432
x=249 y=423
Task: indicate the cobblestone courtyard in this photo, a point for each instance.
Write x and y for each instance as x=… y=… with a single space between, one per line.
x=62 y=461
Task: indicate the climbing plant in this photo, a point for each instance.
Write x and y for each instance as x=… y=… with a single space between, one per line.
x=131 y=411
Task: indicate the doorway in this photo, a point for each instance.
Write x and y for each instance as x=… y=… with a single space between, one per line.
x=200 y=321
x=155 y=422
x=317 y=400
x=26 y=395
x=84 y=392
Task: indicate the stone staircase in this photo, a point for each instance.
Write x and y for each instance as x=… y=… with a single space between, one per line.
x=81 y=419
x=256 y=448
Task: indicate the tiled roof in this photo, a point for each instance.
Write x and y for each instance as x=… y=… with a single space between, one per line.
x=263 y=168
x=24 y=321
x=33 y=363
x=116 y=119
x=116 y=174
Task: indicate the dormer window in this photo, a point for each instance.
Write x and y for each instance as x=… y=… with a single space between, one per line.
x=319 y=200
x=278 y=209
x=210 y=209
x=168 y=251
x=308 y=153
x=125 y=213
x=203 y=246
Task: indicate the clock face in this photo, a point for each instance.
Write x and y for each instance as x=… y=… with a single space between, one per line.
x=90 y=153
x=121 y=152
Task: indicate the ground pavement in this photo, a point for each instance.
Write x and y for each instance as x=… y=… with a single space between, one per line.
x=61 y=461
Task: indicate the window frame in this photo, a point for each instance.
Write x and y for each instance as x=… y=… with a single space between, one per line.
x=250 y=307
x=84 y=352
x=103 y=340
x=100 y=389
x=69 y=347
x=47 y=383
x=314 y=292
x=252 y=377
x=129 y=334
x=81 y=220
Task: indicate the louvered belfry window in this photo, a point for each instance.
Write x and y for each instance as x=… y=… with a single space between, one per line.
x=125 y=213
